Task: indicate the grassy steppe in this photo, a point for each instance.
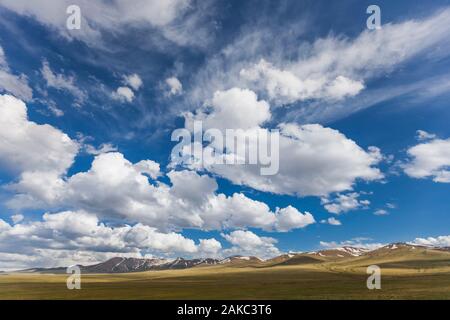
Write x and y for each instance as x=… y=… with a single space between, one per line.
x=317 y=281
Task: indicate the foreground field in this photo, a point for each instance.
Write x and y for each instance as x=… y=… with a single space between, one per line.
x=288 y=282
x=408 y=272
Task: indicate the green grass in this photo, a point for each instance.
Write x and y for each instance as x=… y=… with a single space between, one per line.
x=318 y=281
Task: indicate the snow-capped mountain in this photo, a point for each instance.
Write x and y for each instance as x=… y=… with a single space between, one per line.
x=123 y=265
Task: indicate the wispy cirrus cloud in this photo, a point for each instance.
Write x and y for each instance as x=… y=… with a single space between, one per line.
x=320 y=75
x=174 y=20
x=62 y=82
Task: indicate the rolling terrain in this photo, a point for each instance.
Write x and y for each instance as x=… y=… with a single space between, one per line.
x=408 y=272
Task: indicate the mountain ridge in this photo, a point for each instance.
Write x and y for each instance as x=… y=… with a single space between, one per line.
x=128 y=264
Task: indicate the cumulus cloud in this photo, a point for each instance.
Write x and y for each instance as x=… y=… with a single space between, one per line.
x=117 y=188
x=113 y=179
x=14 y=84
x=313 y=160
x=148 y=167
x=441 y=241
x=332 y=221
x=344 y=202
x=27 y=147
x=67 y=233
x=134 y=81
x=247 y=243
x=174 y=86
x=232 y=109
x=123 y=94
x=343 y=87
x=126 y=93
x=290 y=218
x=283 y=86
x=429 y=159
x=209 y=248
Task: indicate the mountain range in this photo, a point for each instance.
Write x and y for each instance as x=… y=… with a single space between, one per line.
x=346 y=254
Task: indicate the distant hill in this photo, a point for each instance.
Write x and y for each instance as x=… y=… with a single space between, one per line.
x=123 y=265
x=396 y=255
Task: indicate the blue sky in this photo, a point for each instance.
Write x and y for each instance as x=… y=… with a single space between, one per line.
x=310 y=62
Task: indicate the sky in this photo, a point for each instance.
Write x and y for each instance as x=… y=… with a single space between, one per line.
x=86 y=118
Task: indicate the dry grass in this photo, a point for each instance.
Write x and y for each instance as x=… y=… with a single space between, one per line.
x=316 y=281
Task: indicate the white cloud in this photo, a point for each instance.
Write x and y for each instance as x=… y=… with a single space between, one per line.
x=430 y=159
x=313 y=160
x=381 y=212
x=328 y=69
x=391 y=205
x=14 y=84
x=344 y=203
x=209 y=248
x=233 y=109
x=155 y=12
x=70 y=232
x=103 y=148
x=290 y=218
x=441 y=241
x=423 y=135
x=247 y=243
x=53 y=108
x=27 y=147
x=16 y=218
x=175 y=86
x=134 y=81
x=283 y=86
x=97 y=16
x=123 y=94
x=3 y=61
x=117 y=188
x=149 y=167
x=372 y=53
x=4 y=225
x=37 y=189
x=79 y=237
x=56 y=258
x=332 y=221
x=357 y=242
x=343 y=87
x=62 y=82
